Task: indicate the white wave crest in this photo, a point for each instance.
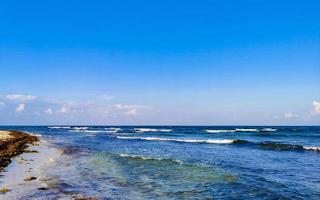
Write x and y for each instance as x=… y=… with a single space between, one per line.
x=211 y=141
x=219 y=131
x=246 y=130
x=142 y=130
x=112 y=130
x=85 y=130
x=311 y=148
x=241 y=130
x=59 y=127
x=269 y=129
x=89 y=131
x=95 y=131
x=164 y=130
x=80 y=128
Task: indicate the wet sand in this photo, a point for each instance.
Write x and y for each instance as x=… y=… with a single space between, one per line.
x=26 y=173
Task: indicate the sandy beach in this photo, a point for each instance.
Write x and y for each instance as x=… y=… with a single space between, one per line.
x=26 y=171
x=20 y=155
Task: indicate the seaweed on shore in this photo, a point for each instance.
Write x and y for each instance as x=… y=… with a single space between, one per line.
x=15 y=145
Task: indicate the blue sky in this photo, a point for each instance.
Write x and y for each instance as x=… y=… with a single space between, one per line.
x=189 y=62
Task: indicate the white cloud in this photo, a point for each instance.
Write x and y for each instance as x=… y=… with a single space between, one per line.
x=89 y=111
x=132 y=111
x=20 y=107
x=122 y=106
x=20 y=97
x=63 y=109
x=48 y=111
x=290 y=115
x=128 y=109
x=316 y=107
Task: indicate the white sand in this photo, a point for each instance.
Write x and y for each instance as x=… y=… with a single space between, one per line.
x=27 y=165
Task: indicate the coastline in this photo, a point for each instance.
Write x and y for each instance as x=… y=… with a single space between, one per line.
x=13 y=143
x=26 y=174
x=27 y=161
x=94 y=164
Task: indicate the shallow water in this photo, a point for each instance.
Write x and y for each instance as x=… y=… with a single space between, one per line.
x=183 y=162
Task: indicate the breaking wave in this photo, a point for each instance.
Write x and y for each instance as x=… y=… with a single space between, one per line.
x=311 y=148
x=95 y=131
x=59 y=127
x=212 y=141
x=90 y=131
x=240 y=130
x=219 y=131
x=142 y=130
x=80 y=128
x=278 y=146
x=268 y=129
x=246 y=130
x=112 y=130
x=287 y=147
x=263 y=145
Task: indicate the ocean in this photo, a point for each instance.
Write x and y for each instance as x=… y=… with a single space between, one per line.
x=181 y=162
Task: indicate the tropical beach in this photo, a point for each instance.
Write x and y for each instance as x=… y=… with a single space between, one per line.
x=160 y=100
x=170 y=162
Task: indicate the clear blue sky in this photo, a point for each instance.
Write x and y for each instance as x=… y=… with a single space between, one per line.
x=160 y=62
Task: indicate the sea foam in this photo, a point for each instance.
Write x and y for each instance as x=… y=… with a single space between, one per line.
x=268 y=129
x=112 y=130
x=219 y=131
x=240 y=130
x=59 y=127
x=246 y=130
x=142 y=130
x=311 y=148
x=212 y=141
x=80 y=128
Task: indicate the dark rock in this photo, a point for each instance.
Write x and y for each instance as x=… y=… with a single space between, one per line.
x=4 y=190
x=31 y=151
x=30 y=178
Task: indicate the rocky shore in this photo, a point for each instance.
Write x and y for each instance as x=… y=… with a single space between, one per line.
x=13 y=143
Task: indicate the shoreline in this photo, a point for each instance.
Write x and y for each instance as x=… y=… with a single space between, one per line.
x=12 y=144
x=25 y=172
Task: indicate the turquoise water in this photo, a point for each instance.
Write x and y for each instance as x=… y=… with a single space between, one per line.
x=183 y=162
